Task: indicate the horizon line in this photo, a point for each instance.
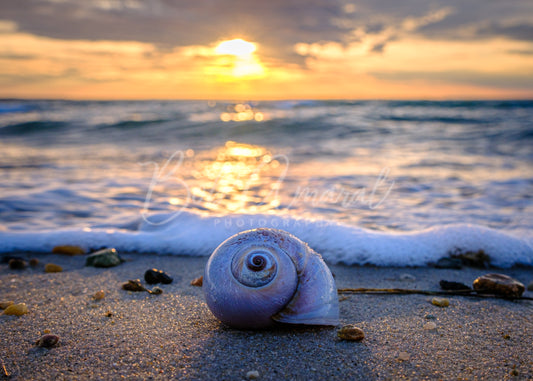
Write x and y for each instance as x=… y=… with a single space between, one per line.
x=240 y=100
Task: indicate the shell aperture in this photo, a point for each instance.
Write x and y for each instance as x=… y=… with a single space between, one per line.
x=261 y=276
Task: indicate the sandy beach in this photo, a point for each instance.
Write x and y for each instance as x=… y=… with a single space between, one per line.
x=174 y=336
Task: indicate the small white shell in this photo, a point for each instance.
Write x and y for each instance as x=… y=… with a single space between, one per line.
x=262 y=276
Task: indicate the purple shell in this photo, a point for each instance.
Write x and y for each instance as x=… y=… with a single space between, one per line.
x=262 y=276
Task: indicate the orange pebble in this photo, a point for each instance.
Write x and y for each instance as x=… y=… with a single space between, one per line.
x=52 y=268
x=198 y=282
x=68 y=250
x=99 y=295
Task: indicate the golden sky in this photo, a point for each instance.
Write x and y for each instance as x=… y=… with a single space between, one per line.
x=281 y=50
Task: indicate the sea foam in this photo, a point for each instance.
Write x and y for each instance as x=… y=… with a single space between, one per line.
x=192 y=234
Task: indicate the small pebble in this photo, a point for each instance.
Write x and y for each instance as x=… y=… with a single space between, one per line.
x=430 y=326
x=530 y=286
x=16 y=309
x=252 y=375
x=52 y=268
x=198 y=282
x=17 y=264
x=68 y=250
x=47 y=341
x=499 y=284
x=99 y=295
x=133 y=285
x=440 y=302
x=46 y=331
x=4 y=305
x=104 y=258
x=454 y=286
x=351 y=332
x=34 y=262
x=154 y=276
x=430 y=317
x=156 y=291
x=404 y=356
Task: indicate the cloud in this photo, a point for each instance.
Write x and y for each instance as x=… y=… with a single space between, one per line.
x=519 y=31
x=10 y=56
x=374 y=37
x=277 y=25
x=480 y=19
x=7 y=27
x=502 y=81
x=522 y=52
x=164 y=48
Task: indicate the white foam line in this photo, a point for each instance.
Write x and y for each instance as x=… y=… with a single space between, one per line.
x=195 y=235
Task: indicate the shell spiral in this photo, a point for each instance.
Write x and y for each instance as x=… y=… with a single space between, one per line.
x=262 y=276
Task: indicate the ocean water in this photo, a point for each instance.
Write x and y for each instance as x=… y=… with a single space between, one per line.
x=363 y=182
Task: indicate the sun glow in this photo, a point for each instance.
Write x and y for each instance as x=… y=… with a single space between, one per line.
x=237 y=60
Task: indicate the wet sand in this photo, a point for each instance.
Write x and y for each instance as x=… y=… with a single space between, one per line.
x=173 y=335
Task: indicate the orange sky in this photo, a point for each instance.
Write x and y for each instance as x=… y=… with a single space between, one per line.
x=396 y=62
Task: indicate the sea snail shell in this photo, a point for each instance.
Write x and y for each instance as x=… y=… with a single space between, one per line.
x=262 y=276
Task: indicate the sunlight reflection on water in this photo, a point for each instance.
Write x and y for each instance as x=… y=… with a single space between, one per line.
x=241 y=178
x=241 y=112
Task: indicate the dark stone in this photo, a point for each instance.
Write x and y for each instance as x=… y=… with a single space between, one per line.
x=499 y=284
x=449 y=263
x=454 y=286
x=47 y=341
x=530 y=286
x=154 y=276
x=104 y=258
x=133 y=285
x=34 y=262
x=474 y=258
x=6 y=258
x=17 y=264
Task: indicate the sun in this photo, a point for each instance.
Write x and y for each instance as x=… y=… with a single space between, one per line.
x=237 y=61
x=237 y=47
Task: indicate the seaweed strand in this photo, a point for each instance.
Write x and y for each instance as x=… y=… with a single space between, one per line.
x=385 y=291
